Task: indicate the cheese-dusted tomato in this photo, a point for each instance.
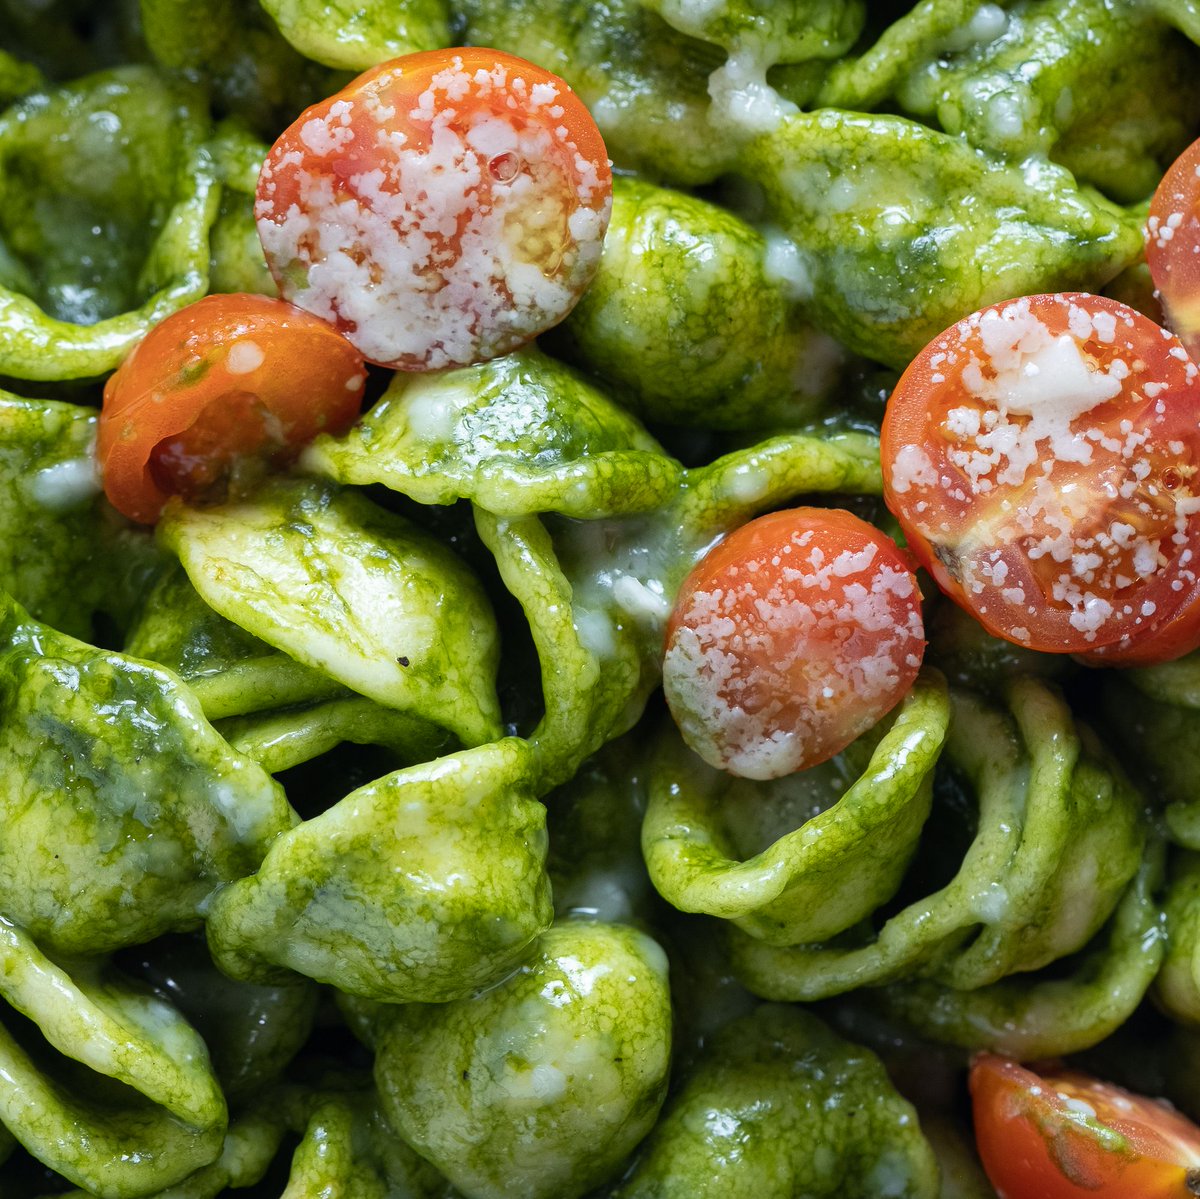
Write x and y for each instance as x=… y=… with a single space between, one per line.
x=217 y=390
x=1064 y=1135
x=790 y=638
x=1041 y=456
x=1173 y=246
x=441 y=209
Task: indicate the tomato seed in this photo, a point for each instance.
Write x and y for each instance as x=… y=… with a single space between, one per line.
x=504 y=167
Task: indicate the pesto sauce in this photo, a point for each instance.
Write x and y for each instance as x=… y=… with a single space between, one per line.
x=547 y=923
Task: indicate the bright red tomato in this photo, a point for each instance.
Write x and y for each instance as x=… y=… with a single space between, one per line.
x=791 y=637
x=215 y=389
x=442 y=209
x=1067 y=1136
x=1041 y=457
x=1173 y=246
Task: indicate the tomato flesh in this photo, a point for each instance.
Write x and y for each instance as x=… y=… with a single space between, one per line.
x=1173 y=246
x=1042 y=456
x=790 y=638
x=231 y=436
x=442 y=209
x=1065 y=1135
x=217 y=392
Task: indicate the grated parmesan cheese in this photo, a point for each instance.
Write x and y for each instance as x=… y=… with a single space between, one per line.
x=452 y=239
x=762 y=663
x=1064 y=462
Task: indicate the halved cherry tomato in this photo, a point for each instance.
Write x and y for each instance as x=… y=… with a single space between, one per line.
x=1064 y=1135
x=1041 y=456
x=1173 y=246
x=791 y=637
x=219 y=386
x=442 y=209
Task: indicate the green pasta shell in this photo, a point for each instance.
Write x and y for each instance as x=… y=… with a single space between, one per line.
x=822 y=877
x=1056 y=843
x=777 y=1106
x=91 y=259
x=419 y=887
x=541 y=1085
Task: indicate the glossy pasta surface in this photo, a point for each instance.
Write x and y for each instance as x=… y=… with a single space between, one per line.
x=347 y=845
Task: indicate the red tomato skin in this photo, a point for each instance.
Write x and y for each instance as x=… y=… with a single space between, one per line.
x=1162 y=642
x=1130 y=487
x=794 y=635
x=1035 y=1142
x=1173 y=246
x=442 y=209
x=228 y=377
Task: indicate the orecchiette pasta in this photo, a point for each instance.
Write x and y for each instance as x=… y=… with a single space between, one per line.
x=346 y=844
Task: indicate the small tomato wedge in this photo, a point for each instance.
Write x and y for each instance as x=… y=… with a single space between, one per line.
x=1173 y=246
x=790 y=638
x=217 y=389
x=1041 y=456
x=442 y=209
x=1064 y=1135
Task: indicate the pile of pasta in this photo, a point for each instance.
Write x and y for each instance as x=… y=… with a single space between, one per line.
x=345 y=841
